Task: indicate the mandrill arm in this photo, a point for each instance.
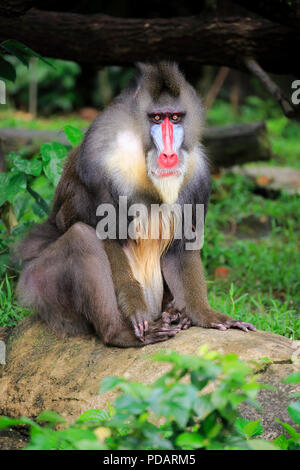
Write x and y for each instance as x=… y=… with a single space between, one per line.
x=185 y=278
x=130 y=297
x=128 y=291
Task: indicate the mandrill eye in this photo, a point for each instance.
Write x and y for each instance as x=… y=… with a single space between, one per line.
x=157 y=118
x=175 y=118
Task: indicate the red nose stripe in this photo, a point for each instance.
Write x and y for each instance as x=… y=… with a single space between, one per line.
x=168 y=158
x=167 y=135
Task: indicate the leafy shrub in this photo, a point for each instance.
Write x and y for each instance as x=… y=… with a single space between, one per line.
x=26 y=192
x=192 y=406
x=20 y=52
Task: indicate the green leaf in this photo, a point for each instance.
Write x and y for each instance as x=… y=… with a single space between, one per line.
x=253 y=428
x=219 y=398
x=53 y=171
x=93 y=416
x=178 y=402
x=248 y=428
x=289 y=429
x=292 y=378
x=74 y=135
x=130 y=404
x=53 y=154
x=6 y=422
x=7 y=71
x=74 y=434
x=25 y=50
x=43 y=439
x=261 y=444
x=53 y=150
x=203 y=406
x=88 y=444
x=191 y=440
x=294 y=411
x=10 y=49
x=10 y=186
x=29 y=167
x=108 y=383
x=50 y=417
x=282 y=442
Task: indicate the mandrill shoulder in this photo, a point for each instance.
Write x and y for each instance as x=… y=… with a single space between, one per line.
x=73 y=201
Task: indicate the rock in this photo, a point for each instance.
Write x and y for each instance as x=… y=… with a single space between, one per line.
x=272 y=177
x=46 y=372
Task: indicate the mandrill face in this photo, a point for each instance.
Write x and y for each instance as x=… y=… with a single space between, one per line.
x=167 y=160
x=167 y=134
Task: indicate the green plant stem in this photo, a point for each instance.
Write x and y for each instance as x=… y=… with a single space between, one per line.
x=41 y=202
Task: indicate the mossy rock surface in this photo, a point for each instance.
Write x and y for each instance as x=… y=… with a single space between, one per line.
x=64 y=375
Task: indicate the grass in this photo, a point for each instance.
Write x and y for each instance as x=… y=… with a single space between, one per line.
x=263 y=282
x=22 y=120
x=265 y=313
x=10 y=312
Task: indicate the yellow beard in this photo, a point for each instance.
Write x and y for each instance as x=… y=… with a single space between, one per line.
x=168 y=187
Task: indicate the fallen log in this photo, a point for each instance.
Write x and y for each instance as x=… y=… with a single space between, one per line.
x=202 y=39
x=237 y=144
x=226 y=145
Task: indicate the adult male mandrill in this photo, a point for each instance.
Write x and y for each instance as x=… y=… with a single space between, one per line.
x=144 y=146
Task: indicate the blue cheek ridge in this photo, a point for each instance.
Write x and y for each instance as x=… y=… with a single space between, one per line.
x=157 y=137
x=178 y=134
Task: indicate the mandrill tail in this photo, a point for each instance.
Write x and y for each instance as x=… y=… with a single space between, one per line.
x=36 y=241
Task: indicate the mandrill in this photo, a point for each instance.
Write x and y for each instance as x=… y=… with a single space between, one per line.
x=146 y=147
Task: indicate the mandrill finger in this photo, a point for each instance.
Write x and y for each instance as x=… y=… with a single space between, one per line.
x=250 y=326
x=166 y=318
x=175 y=317
x=162 y=331
x=138 y=329
x=170 y=317
x=146 y=326
x=184 y=323
x=220 y=326
x=241 y=325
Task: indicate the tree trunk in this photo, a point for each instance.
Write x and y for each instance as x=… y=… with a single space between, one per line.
x=104 y=40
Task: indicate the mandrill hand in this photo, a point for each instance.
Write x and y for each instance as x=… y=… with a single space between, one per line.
x=140 y=325
x=153 y=334
x=234 y=324
x=220 y=321
x=171 y=323
x=173 y=315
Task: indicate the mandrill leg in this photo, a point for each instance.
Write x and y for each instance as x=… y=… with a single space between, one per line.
x=70 y=286
x=184 y=276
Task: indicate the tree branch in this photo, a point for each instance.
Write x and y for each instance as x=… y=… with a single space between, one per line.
x=11 y=8
x=280 y=11
x=104 y=40
x=216 y=87
x=289 y=110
